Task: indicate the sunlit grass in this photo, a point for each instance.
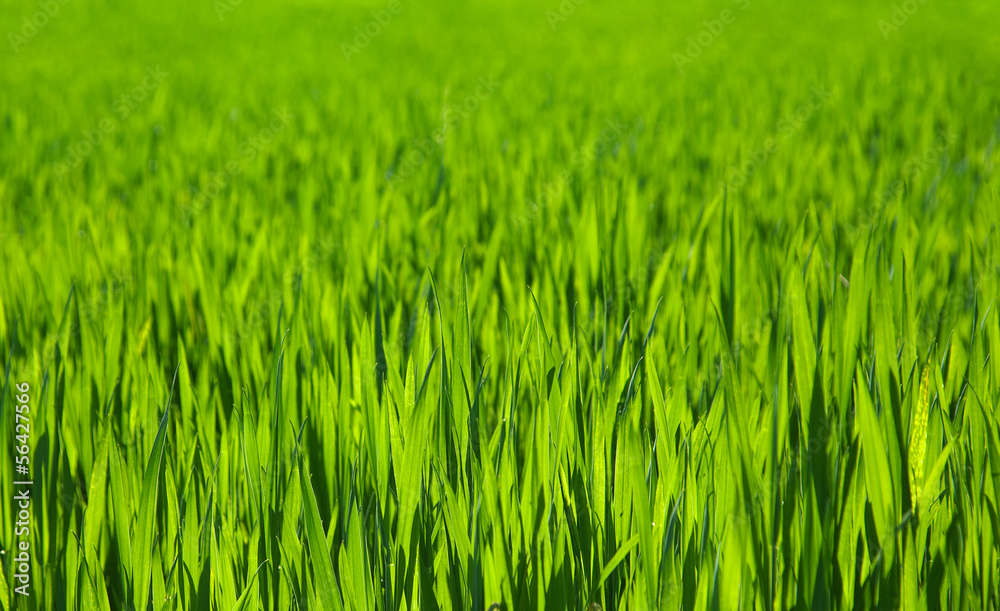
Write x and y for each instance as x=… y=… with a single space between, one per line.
x=601 y=334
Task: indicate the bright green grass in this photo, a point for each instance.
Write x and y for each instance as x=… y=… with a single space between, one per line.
x=550 y=361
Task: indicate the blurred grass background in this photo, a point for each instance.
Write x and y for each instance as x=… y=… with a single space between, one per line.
x=312 y=235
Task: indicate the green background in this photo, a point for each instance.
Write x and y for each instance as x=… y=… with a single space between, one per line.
x=554 y=365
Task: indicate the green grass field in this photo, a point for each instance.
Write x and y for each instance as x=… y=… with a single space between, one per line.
x=499 y=305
